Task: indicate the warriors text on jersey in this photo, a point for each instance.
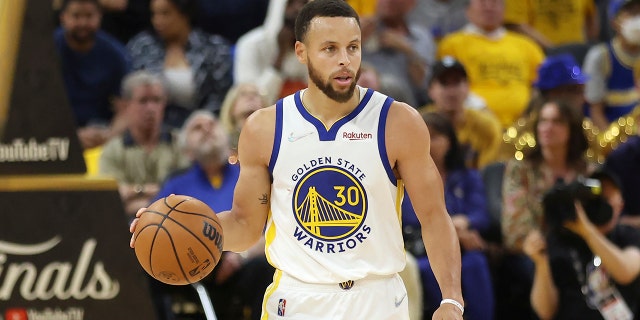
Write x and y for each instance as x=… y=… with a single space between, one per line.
x=335 y=202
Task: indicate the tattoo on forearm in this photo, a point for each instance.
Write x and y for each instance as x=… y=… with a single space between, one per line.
x=264 y=199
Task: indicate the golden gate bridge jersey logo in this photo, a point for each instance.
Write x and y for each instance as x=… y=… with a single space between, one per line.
x=330 y=204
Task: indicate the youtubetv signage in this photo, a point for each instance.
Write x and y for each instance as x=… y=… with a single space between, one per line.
x=66 y=257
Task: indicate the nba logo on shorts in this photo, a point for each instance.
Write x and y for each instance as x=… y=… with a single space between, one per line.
x=282 y=303
x=16 y=314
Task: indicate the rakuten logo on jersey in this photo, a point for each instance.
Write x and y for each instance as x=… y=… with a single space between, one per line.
x=357 y=135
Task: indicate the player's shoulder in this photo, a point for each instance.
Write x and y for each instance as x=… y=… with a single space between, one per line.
x=404 y=118
x=263 y=115
x=402 y=109
x=257 y=136
x=260 y=124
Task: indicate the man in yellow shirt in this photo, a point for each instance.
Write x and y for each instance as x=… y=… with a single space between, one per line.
x=554 y=23
x=501 y=64
x=478 y=131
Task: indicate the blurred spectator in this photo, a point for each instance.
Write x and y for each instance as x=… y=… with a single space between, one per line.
x=93 y=65
x=210 y=177
x=398 y=48
x=125 y=18
x=239 y=280
x=195 y=66
x=266 y=56
x=371 y=78
x=231 y=18
x=501 y=64
x=558 y=154
x=141 y=157
x=625 y=163
x=610 y=90
x=608 y=9
x=479 y=132
x=241 y=101
x=586 y=268
x=465 y=200
x=554 y=23
x=559 y=78
x=441 y=17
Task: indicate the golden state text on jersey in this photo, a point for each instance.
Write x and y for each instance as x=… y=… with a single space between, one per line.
x=330 y=206
x=335 y=200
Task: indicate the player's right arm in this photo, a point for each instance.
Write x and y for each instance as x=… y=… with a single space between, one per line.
x=244 y=223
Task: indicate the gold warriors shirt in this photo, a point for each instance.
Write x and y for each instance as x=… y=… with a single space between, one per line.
x=335 y=202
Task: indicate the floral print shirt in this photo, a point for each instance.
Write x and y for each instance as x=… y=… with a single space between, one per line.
x=523 y=188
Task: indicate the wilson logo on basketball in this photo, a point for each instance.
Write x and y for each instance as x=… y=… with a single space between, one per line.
x=212 y=233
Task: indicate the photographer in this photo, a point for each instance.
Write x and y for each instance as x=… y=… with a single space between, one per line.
x=586 y=264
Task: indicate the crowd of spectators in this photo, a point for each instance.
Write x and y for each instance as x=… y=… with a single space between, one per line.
x=519 y=96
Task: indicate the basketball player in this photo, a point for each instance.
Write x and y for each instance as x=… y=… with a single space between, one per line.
x=322 y=174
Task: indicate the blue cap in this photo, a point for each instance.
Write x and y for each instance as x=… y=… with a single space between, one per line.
x=559 y=70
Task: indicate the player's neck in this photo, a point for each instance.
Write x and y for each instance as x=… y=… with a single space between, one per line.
x=326 y=109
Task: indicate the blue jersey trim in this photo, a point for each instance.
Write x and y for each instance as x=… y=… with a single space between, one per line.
x=323 y=133
x=277 y=138
x=382 y=145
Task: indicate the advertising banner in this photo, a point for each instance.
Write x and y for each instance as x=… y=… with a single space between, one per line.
x=37 y=128
x=64 y=255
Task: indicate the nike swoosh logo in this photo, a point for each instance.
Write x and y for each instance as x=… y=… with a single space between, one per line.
x=293 y=138
x=399 y=302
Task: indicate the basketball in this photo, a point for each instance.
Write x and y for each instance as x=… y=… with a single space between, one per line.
x=178 y=240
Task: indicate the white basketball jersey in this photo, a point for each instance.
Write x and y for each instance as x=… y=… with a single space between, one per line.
x=335 y=202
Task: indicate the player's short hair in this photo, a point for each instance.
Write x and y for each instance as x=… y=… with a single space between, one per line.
x=322 y=8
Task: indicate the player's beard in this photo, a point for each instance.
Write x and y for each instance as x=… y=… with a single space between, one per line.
x=326 y=87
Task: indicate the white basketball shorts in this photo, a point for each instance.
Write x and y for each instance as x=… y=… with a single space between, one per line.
x=379 y=298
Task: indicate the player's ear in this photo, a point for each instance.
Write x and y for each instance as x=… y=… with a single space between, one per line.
x=301 y=52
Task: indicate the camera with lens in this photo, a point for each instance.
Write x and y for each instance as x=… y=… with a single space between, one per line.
x=558 y=202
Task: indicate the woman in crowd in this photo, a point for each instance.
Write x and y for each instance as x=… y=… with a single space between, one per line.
x=196 y=66
x=558 y=155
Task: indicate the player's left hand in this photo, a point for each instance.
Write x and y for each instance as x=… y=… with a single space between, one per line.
x=447 y=311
